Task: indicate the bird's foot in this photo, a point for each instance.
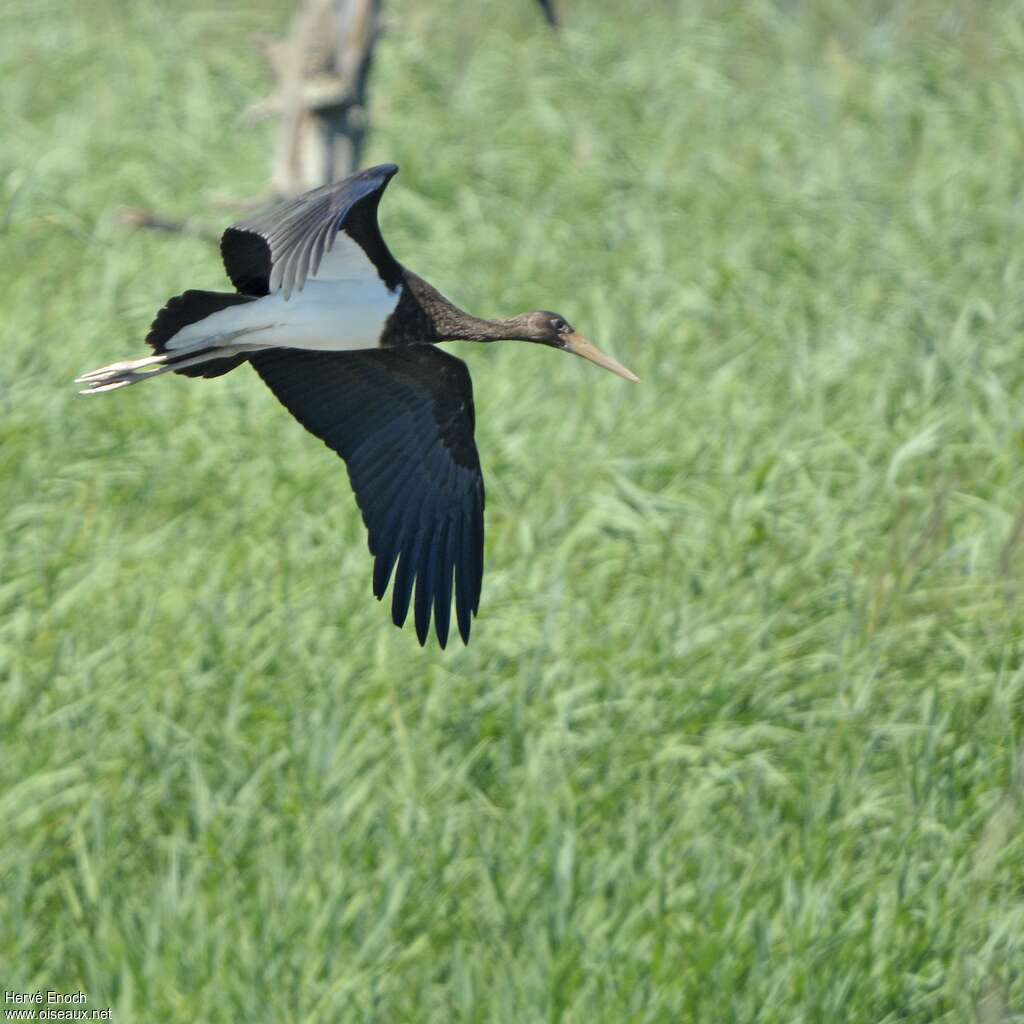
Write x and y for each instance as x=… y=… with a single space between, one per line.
x=121 y=374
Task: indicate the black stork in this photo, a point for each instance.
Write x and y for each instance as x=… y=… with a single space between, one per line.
x=345 y=337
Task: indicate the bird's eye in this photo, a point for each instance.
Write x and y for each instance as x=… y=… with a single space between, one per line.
x=559 y=325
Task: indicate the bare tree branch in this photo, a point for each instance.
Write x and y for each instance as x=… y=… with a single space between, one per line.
x=136 y=217
x=321 y=71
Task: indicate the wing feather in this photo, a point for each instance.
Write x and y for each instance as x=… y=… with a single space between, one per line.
x=464 y=599
x=443 y=584
x=277 y=249
x=403 y=421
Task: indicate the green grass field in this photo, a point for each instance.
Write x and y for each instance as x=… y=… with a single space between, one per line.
x=738 y=737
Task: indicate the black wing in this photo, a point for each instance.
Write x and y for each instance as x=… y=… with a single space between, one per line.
x=402 y=419
x=278 y=249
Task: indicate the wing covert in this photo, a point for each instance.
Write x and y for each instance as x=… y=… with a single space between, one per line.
x=403 y=421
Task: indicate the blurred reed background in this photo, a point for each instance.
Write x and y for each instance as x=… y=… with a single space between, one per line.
x=737 y=737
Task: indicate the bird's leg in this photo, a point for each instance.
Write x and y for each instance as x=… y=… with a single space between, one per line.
x=133 y=371
x=121 y=375
x=121 y=367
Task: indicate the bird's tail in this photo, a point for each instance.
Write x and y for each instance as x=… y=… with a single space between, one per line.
x=208 y=356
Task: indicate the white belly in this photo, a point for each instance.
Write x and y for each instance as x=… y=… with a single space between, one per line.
x=330 y=316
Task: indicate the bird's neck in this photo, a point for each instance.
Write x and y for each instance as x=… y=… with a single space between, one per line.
x=449 y=323
x=464 y=326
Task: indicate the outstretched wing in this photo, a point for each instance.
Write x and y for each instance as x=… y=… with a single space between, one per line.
x=403 y=420
x=330 y=233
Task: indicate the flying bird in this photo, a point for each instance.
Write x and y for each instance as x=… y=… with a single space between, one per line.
x=346 y=337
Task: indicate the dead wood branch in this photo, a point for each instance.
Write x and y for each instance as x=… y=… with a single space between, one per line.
x=136 y=217
x=321 y=72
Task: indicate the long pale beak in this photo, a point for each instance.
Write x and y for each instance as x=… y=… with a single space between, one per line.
x=579 y=346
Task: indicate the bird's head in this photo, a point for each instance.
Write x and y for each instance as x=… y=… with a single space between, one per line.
x=547 y=328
